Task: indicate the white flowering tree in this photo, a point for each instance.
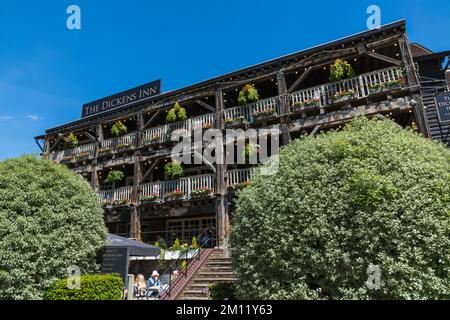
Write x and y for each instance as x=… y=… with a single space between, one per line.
x=50 y=219
x=358 y=214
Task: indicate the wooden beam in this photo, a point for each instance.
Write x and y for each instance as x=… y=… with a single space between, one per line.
x=149 y=170
x=153 y=117
x=315 y=130
x=90 y=136
x=205 y=105
x=60 y=136
x=205 y=161
x=299 y=80
x=384 y=58
x=38 y=144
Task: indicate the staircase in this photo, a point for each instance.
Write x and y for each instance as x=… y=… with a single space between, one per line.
x=216 y=268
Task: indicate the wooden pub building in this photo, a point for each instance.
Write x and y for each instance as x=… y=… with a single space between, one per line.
x=129 y=133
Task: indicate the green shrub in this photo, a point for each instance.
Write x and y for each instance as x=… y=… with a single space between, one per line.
x=92 y=287
x=115 y=176
x=341 y=69
x=248 y=94
x=371 y=194
x=173 y=169
x=176 y=113
x=71 y=140
x=176 y=244
x=222 y=291
x=118 y=128
x=50 y=219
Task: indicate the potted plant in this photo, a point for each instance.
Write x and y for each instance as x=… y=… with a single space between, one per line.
x=201 y=193
x=104 y=151
x=178 y=194
x=173 y=169
x=375 y=87
x=342 y=96
x=118 y=128
x=340 y=70
x=248 y=94
x=309 y=103
x=392 y=85
x=233 y=122
x=83 y=156
x=177 y=113
x=114 y=176
x=239 y=186
x=68 y=158
x=124 y=147
x=261 y=115
x=71 y=140
x=153 y=140
x=122 y=203
x=150 y=199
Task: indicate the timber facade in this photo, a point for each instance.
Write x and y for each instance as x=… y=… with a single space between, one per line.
x=386 y=84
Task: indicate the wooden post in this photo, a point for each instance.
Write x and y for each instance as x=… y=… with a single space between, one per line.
x=447 y=78
x=222 y=219
x=412 y=77
x=284 y=107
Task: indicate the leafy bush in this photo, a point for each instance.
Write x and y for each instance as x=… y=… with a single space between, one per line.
x=50 y=219
x=176 y=245
x=173 y=169
x=176 y=113
x=71 y=140
x=341 y=69
x=114 y=176
x=118 y=128
x=92 y=287
x=371 y=194
x=222 y=291
x=248 y=94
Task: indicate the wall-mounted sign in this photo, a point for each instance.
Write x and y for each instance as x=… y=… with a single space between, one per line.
x=443 y=106
x=123 y=98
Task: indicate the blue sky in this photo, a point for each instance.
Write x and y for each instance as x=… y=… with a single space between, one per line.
x=47 y=72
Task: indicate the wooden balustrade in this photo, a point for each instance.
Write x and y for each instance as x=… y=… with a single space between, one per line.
x=357 y=87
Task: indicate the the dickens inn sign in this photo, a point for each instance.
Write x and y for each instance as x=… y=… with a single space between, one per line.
x=443 y=107
x=123 y=98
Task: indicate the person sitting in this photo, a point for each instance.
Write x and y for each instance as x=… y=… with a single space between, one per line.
x=139 y=288
x=154 y=284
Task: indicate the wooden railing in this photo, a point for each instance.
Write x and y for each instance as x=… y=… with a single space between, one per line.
x=120 y=194
x=85 y=150
x=238 y=176
x=128 y=139
x=247 y=111
x=354 y=88
x=186 y=185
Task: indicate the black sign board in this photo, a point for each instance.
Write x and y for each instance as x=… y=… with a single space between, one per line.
x=115 y=260
x=123 y=98
x=443 y=107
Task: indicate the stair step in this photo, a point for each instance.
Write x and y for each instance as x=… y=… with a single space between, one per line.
x=194 y=298
x=214 y=279
x=214 y=274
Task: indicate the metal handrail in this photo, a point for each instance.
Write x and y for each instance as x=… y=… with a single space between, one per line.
x=184 y=272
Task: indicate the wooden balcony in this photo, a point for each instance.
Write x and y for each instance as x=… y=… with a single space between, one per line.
x=160 y=191
x=317 y=98
x=83 y=152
